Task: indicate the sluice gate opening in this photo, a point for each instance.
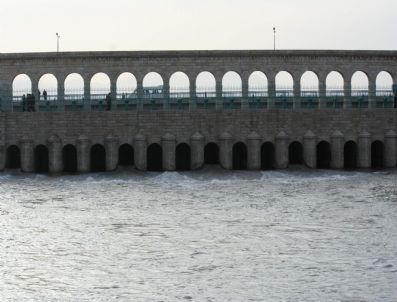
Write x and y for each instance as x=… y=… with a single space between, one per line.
x=69 y=157
x=350 y=155
x=13 y=157
x=126 y=156
x=239 y=156
x=41 y=159
x=98 y=158
x=377 y=157
x=211 y=154
x=155 y=158
x=295 y=154
x=324 y=155
x=267 y=156
x=182 y=157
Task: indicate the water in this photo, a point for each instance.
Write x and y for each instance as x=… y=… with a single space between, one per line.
x=203 y=236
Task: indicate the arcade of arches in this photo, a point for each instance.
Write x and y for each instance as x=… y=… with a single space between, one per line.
x=211 y=153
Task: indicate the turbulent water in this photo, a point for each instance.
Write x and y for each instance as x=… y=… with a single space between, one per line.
x=202 y=236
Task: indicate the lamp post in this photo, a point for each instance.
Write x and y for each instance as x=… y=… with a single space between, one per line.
x=58 y=37
x=274 y=40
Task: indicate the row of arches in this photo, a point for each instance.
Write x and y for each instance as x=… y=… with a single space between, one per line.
x=205 y=84
x=154 y=156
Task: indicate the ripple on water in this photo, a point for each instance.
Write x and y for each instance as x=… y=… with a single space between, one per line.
x=296 y=235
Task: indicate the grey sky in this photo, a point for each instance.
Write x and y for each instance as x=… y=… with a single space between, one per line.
x=27 y=25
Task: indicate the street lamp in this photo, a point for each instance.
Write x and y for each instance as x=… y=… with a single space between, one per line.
x=274 y=40
x=58 y=37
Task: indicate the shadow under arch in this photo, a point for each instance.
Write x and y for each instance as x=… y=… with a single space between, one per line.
x=211 y=154
x=183 y=157
x=324 y=155
x=154 y=158
x=295 y=153
x=41 y=159
x=377 y=155
x=13 y=157
x=239 y=156
x=126 y=155
x=98 y=158
x=69 y=158
x=267 y=156
x=350 y=155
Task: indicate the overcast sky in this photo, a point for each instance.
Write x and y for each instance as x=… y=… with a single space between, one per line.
x=30 y=25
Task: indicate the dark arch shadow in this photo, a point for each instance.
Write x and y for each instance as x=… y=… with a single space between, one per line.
x=350 y=155
x=98 y=158
x=377 y=155
x=69 y=158
x=154 y=158
x=295 y=154
x=239 y=156
x=324 y=155
x=211 y=154
x=126 y=155
x=13 y=157
x=41 y=159
x=182 y=157
x=267 y=156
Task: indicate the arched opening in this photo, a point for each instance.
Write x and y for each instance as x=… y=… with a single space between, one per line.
x=126 y=86
x=267 y=156
x=350 y=155
x=155 y=158
x=182 y=157
x=211 y=154
x=384 y=84
x=284 y=84
x=257 y=84
x=41 y=159
x=295 y=154
x=179 y=85
x=359 y=84
x=377 y=155
x=231 y=84
x=239 y=156
x=69 y=157
x=100 y=86
x=13 y=157
x=21 y=85
x=126 y=155
x=335 y=84
x=48 y=87
x=205 y=85
x=98 y=158
x=153 y=85
x=324 y=155
x=309 y=84
x=74 y=87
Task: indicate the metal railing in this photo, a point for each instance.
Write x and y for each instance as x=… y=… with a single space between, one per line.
x=257 y=100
